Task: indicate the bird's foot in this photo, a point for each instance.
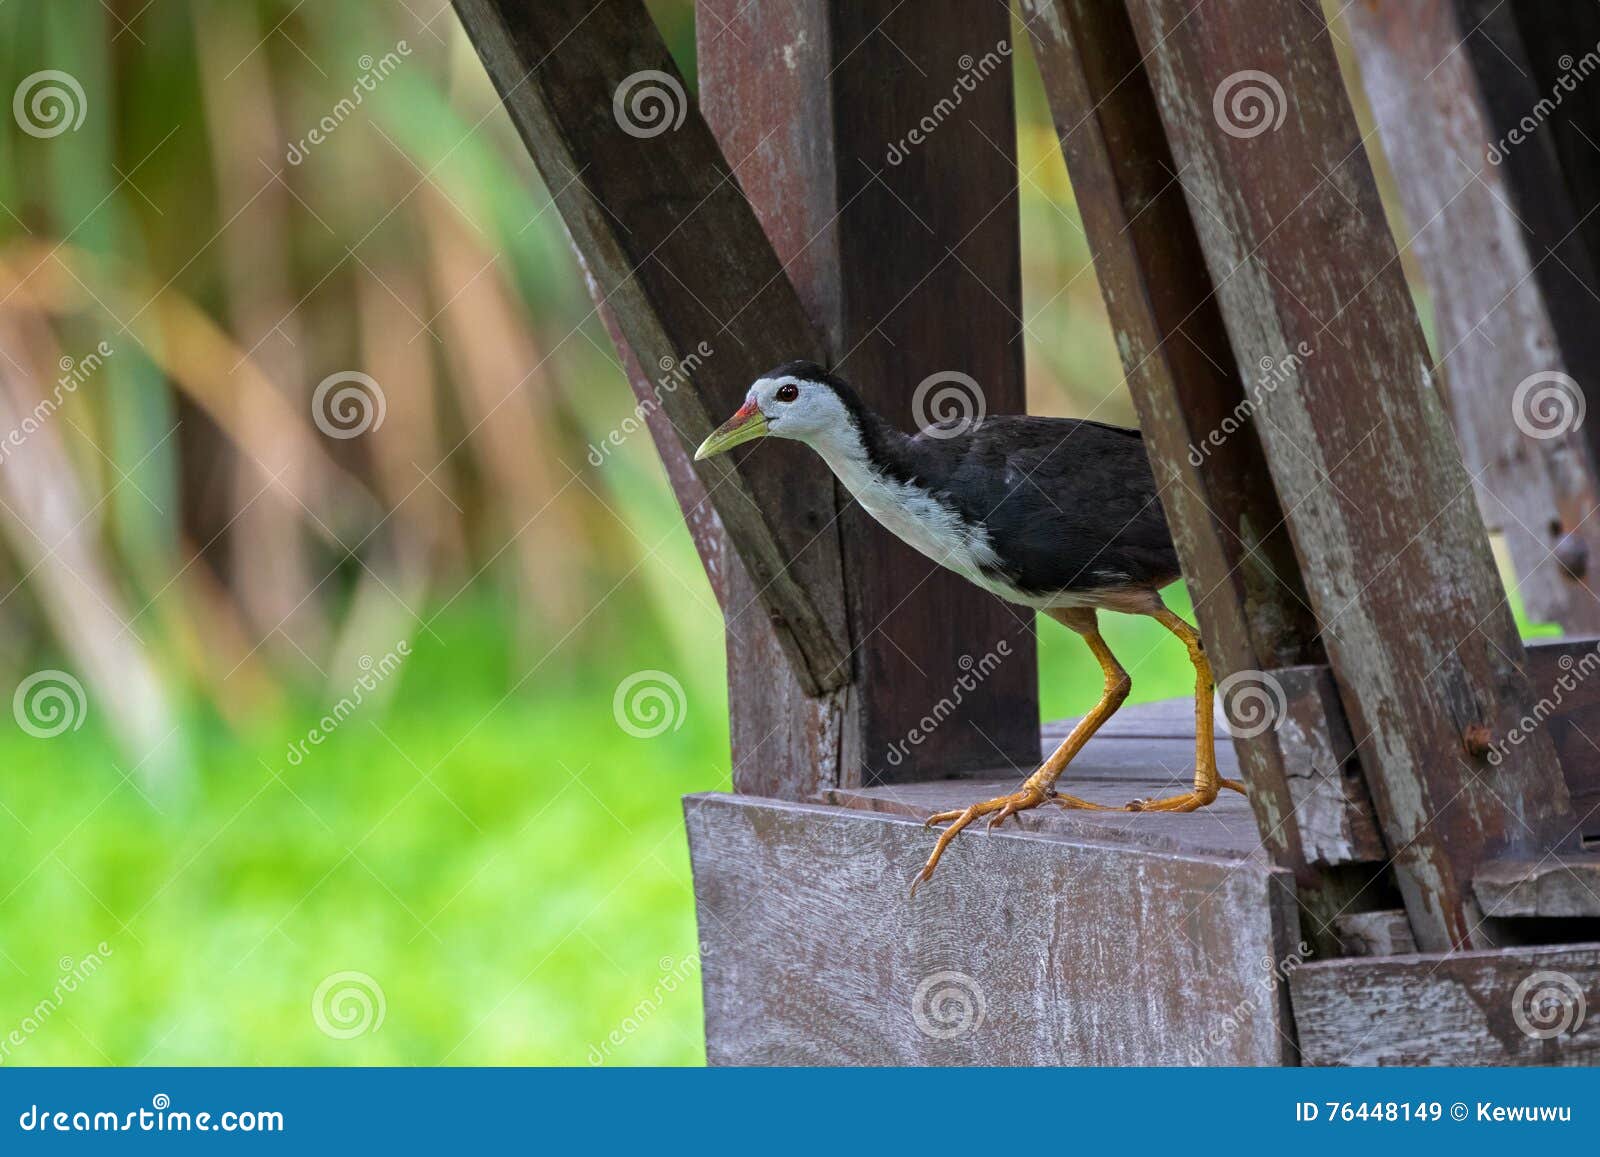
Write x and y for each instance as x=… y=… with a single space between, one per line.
x=999 y=810
x=1187 y=802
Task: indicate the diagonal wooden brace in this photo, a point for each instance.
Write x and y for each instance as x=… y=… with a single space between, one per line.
x=679 y=259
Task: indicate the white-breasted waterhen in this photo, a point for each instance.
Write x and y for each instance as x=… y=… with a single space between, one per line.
x=1057 y=514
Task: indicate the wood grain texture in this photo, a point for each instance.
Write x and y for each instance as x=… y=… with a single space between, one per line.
x=907 y=269
x=1024 y=950
x=1196 y=409
x=1382 y=933
x=1394 y=555
x=1111 y=770
x=680 y=260
x=1458 y=1009
x=1497 y=240
x=1331 y=803
x=1557 y=886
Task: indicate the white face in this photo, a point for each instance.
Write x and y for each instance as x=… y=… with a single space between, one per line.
x=795 y=408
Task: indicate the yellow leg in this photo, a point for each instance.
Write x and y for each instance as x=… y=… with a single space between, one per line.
x=1207 y=782
x=1040 y=786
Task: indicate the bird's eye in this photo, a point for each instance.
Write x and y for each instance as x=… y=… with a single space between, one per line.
x=787 y=392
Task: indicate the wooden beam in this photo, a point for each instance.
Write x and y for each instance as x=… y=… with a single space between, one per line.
x=1468 y=1008
x=909 y=266
x=679 y=259
x=1195 y=410
x=1497 y=240
x=784 y=742
x=1555 y=886
x=1332 y=806
x=1394 y=555
x=1024 y=950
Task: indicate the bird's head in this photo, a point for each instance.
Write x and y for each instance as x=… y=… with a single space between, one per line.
x=798 y=400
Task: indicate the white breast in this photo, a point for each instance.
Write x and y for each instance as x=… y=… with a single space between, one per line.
x=916 y=517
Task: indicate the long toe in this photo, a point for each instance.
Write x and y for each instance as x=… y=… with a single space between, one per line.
x=1005 y=805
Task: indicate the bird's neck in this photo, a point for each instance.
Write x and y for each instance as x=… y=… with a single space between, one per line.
x=865 y=452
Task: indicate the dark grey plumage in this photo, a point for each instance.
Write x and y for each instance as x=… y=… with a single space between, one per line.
x=1068 y=504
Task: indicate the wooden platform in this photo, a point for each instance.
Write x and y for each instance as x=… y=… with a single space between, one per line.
x=1143 y=752
x=1095 y=915
x=1056 y=939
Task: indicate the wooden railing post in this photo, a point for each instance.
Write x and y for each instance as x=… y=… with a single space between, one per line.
x=675 y=255
x=1519 y=335
x=1394 y=555
x=903 y=244
x=1195 y=408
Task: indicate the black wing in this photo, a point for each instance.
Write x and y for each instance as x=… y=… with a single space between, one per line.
x=1068 y=504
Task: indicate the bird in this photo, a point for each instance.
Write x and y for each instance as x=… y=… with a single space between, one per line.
x=1061 y=515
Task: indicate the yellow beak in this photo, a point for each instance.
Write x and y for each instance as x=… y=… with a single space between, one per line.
x=745 y=426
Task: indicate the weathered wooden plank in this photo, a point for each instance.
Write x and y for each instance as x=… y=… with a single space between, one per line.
x=1394 y=556
x=1163 y=719
x=1110 y=771
x=682 y=263
x=1192 y=399
x=1497 y=241
x=1560 y=886
x=1333 y=809
x=1332 y=805
x=909 y=266
x=1382 y=933
x=1025 y=949
x=1501 y=1007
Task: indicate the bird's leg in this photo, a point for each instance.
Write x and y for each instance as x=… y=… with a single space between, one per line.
x=1040 y=786
x=1207 y=782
